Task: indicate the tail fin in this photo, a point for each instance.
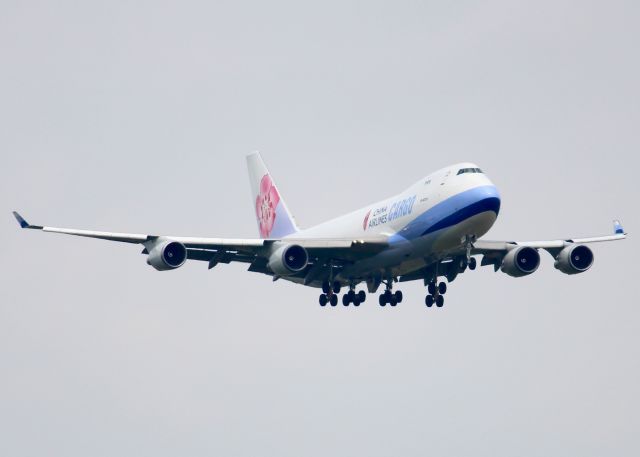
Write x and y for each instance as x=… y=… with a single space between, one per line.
x=272 y=214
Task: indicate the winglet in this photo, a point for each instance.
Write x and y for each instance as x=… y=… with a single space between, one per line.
x=617 y=227
x=23 y=223
x=20 y=219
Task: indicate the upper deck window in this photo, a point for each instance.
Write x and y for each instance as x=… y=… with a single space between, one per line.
x=469 y=170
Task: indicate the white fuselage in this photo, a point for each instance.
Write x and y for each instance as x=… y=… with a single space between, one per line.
x=421 y=224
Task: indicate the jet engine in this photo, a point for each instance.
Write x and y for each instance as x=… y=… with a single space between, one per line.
x=521 y=261
x=573 y=259
x=288 y=260
x=167 y=255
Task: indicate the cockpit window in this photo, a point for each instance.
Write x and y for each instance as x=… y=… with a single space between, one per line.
x=469 y=170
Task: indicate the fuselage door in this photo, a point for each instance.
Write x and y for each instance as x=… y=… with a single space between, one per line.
x=444 y=177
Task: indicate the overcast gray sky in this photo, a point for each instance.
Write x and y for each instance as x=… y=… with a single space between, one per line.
x=136 y=116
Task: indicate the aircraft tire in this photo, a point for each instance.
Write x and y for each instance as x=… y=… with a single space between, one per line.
x=398 y=296
x=323 y=300
x=382 y=300
x=428 y=301
x=439 y=301
x=333 y=300
x=346 y=299
x=431 y=288
x=442 y=288
x=362 y=296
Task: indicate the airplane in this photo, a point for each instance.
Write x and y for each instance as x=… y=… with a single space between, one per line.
x=431 y=230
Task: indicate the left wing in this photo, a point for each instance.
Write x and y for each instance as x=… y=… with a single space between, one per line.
x=225 y=250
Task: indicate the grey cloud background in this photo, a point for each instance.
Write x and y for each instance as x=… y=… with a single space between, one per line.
x=136 y=116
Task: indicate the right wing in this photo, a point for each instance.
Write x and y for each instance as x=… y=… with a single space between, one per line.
x=494 y=251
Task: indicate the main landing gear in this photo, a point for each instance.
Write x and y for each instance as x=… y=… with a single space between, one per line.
x=329 y=293
x=353 y=297
x=389 y=297
x=436 y=292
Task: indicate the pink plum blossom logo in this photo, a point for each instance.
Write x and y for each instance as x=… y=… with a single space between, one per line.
x=266 y=204
x=366 y=220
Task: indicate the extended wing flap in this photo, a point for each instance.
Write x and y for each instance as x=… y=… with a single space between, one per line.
x=345 y=249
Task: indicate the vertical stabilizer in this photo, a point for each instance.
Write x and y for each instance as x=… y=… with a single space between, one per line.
x=272 y=214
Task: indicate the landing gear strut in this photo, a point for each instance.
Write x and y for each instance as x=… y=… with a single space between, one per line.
x=469 y=261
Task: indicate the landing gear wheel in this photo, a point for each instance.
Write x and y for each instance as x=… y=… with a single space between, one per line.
x=362 y=296
x=333 y=300
x=382 y=300
x=431 y=288
x=336 y=287
x=439 y=301
x=428 y=301
x=393 y=301
x=442 y=288
x=345 y=300
x=398 y=296
x=472 y=263
x=323 y=300
x=325 y=287
x=356 y=302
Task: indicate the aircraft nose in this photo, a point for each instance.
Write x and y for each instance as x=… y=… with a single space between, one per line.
x=491 y=199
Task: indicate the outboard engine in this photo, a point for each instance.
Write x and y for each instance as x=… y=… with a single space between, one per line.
x=167 y=255
x=574 y=259
x=521 y=261
x=288 y=260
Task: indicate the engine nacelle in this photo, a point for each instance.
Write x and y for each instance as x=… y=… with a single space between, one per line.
x=167 y=255
x=288 y=260
x=521 y=261
x=573 y=259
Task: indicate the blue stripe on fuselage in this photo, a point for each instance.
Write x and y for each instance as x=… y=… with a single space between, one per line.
x=452 y=211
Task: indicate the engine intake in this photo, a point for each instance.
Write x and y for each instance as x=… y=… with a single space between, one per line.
x=521 y=261
x=288 y=260
x=574 y=259
x=167 y=255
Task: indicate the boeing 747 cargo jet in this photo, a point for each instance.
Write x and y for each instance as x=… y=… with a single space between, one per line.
x=432 y=230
